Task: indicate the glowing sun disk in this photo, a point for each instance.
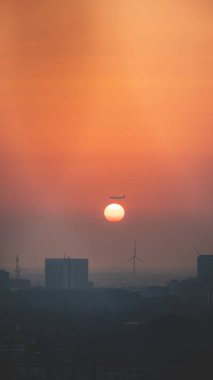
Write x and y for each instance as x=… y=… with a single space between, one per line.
x=114 y=212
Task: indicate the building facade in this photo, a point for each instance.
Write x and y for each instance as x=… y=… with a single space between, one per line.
x=205 y=267
x=4 y=279
x=66 y=273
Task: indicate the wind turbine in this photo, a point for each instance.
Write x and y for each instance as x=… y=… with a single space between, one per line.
x=133 y=258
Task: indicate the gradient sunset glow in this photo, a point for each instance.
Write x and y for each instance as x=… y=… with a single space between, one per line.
x=101 y=97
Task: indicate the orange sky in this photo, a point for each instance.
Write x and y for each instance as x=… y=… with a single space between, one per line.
x=101 y=97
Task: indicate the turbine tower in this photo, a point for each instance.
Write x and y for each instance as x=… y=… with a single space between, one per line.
x=134 y=258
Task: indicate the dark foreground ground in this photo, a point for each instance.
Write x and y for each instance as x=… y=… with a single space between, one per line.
x=106 y=334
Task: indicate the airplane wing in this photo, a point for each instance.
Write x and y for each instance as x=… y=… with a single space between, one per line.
x=117 y=197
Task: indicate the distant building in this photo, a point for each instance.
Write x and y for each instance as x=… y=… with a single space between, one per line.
x=4 y=279
x=119 y=373
x=205 y=267
x=20 y=284
x=12 y=348
x=66 y=273
x=156 y=291
x=173 y=287
x=32 y=373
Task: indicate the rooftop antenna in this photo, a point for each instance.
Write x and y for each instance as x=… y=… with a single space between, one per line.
x=17 y=268
x=133 y=258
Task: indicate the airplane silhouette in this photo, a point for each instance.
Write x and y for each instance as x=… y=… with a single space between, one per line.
x=117 y=196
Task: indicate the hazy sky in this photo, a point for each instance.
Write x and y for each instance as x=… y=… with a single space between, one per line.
x=101 y=97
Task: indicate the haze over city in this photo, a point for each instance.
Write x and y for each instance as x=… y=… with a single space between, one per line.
x=99 y=98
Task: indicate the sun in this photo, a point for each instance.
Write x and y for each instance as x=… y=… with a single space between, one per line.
x=114 y=212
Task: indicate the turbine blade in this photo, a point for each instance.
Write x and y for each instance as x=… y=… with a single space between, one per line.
x=128 y=260
x=196 y=250
x=138 y=258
